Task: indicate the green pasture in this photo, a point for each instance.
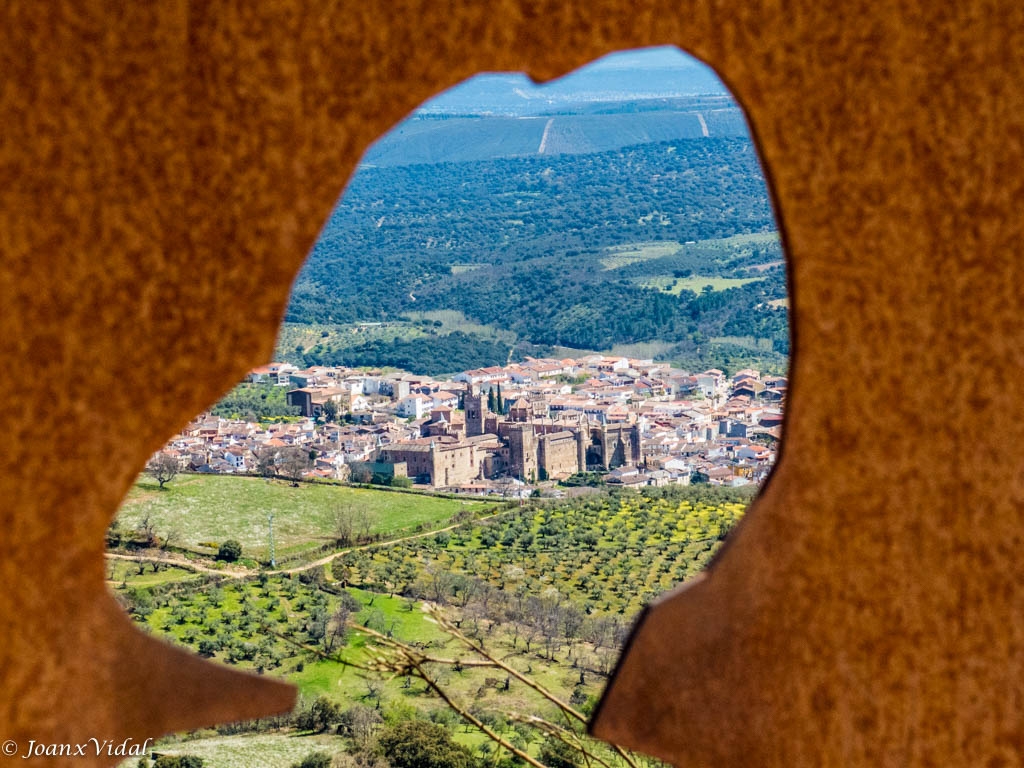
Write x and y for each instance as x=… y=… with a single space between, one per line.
x=608 y=555
x=453 y=320
x=302 y=337
x=642 y=350
x=145 y=574
x=208 y=509
x=265 y=627
x=621 y=256
x=747 y=342
x=694 y=283
x=266 y=750
x=735 y=241
x=602 y=556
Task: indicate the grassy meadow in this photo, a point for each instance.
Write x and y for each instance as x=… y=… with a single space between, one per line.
x=588 y=562
x=622 y=256
x=208 y=509
x=144 y=574
x=694 y=283
x=551 y=588
x=266 y=750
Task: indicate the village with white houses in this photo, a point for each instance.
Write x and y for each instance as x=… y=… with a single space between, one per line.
x=510 y=429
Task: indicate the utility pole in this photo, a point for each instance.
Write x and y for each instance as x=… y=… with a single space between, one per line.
x=270 y=525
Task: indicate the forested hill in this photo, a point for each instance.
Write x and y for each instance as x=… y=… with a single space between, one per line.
x=670 y=241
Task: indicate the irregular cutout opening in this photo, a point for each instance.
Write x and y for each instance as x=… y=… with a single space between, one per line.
x=531 y=375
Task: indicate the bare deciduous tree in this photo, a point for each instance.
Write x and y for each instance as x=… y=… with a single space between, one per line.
x=359 y=723
x=292 y=462
x=507 y=486
x=437 y=584
x=599 y=630
x=266 y=460
x=163 y=468
x=394 y=658
x=171 y=539
x=352 y=523
x=337 y=627
x=145 y=531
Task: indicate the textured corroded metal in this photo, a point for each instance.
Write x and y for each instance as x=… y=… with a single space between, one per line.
x=165 y=167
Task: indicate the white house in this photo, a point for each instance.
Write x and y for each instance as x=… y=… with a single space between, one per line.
x=754 y=452
x=519 y=375
x=235 y=456
x=613 y=364
x=414 y=406
x=678 y=464
x=284 y=373
x=491 y=374
x=449 y=399
x=711 y=383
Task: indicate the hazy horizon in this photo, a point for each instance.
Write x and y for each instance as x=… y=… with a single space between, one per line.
x=648 y=73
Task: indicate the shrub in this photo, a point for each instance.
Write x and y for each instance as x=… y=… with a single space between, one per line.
x=182 y=761
x=555 y=753
x=141 y=602
x=359 y=722
x=314 y=760
x=229 y=551
x=208 y=647
x=321 y=715
x=312 y=576
x=422 y=744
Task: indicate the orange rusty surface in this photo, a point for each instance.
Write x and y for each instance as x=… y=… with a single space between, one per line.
x=165 y=168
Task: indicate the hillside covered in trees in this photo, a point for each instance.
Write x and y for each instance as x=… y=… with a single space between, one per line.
x=671 y=241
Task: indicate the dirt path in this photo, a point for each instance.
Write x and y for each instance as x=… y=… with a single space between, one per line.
x=703 y=125
x=181 y=561
x=328 y=558
x=178 y=561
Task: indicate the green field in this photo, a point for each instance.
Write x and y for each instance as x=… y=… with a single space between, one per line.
x=642 y=350
x=405 y=618
x=299 y=337
x=694 y=283
x=607 y=555
x=302 y=337
x=266 y=627
x=747 y=342
x=127 y=572
x=452 y=320
x=266 y=750
x=754 y=238
x=207 y=509
x=551 y=589
x=622 y=256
